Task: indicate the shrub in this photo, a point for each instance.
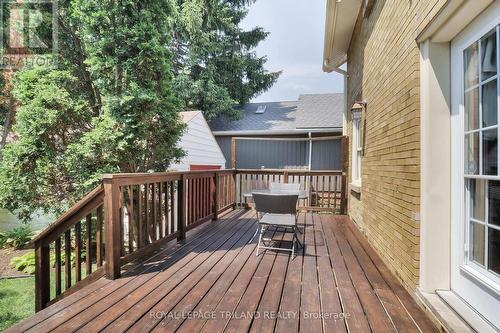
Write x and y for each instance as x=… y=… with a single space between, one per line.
x=17 y=237
x=25 y=263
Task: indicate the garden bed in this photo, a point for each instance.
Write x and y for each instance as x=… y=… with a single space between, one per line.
x=5 y=257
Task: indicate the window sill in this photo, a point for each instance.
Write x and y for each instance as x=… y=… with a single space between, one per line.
x=485 y=281
x=355 y=187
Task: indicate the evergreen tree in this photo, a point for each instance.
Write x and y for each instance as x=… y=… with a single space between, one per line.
x=108 y=106
x=214 y=62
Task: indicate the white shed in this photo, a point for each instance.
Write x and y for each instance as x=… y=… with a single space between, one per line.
x=202 y=150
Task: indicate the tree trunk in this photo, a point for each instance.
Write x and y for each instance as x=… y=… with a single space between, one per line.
x=7 y=127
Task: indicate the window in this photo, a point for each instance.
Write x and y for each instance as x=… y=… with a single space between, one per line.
x=357 y=146
x=481 y=175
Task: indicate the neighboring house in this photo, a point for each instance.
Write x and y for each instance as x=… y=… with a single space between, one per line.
x=422 y=93
x=202 y=151
x=315 y=115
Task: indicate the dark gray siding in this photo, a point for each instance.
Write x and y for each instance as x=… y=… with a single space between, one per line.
x=326 y=155
x=253 y=154
x=225 y=145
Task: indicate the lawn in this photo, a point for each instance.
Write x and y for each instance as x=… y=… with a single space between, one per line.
x=17 y=300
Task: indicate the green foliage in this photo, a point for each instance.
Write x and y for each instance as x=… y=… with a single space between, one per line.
x=17 y=237
x=24 y=263
x=215 y=64
x=108 y=107
x=124 y=70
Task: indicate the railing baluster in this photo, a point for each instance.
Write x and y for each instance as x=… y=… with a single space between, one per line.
x=215 y=196
x=67 y=259
x=78 y=251
x=206 y=197
x=148 y=213
x=335 y=194
x=160 y=211
x=155 y=211
x=329 y=190
x=189 y=193
x=99 y=217
x=121 y=207
x=199 y=206
x=88 y=244
x=166 y=193
x=182 y=209
x=57 y=250
x=172 y=205
x=139 y=217
x=131 y=220
x=322 y=191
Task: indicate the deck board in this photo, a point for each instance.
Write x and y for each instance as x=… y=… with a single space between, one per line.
x=216 y=273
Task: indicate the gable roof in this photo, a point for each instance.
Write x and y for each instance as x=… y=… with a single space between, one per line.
x=315 y=111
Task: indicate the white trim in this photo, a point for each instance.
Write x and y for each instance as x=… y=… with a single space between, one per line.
x=468 y=313
x=356 y=149
x=435 y=166
x=341 y=19
x=466 y=281
x=278 y=132
x=452 y=18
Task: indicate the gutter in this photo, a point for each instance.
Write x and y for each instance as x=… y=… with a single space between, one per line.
x=278 y=132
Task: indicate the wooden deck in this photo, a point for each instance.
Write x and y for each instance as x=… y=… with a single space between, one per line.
x=214 y=282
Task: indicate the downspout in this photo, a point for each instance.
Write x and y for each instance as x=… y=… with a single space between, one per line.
x=310 y=151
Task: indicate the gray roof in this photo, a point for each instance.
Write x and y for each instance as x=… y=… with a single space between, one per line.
x=320 y=110
x=315 y=111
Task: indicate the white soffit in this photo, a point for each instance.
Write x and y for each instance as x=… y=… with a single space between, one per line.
x=341 y=16
x=451 y=19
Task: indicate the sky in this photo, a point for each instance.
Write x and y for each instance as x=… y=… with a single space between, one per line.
x=295 y=46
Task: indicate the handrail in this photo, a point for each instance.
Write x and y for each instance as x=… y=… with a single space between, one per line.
x=96 y=195
x=291 y=171
x=139 y=212
x=68 y=229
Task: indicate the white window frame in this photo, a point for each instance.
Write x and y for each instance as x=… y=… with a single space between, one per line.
x=468 y=265
x=357 y=147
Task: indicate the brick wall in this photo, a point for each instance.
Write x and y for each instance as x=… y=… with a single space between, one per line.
x=383 y=68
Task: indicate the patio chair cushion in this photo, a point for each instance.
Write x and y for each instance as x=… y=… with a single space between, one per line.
x=285 y=220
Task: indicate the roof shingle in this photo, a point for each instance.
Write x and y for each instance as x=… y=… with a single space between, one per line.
x=310 y=111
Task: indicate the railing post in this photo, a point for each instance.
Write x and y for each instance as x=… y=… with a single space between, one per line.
x=113 y=229
x=285 y=177
x=343 y=194
x=216 y=196
x=235 y=188
x=234 y=152
x=181 y=217
x=42 y=275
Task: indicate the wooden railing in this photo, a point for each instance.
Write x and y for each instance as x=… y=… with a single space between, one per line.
x=61 y=249
x=131 y=215
x=325 y=189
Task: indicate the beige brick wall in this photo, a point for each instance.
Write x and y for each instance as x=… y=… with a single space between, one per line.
x=383 y=68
